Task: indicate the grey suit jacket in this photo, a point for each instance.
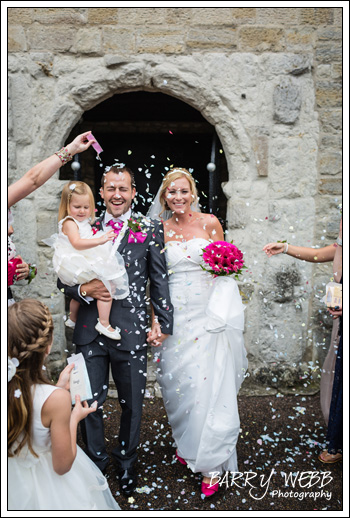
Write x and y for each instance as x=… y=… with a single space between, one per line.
x=143 y=261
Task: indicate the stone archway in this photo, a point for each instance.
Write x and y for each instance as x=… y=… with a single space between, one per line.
x=88 y=90
x=271 y=161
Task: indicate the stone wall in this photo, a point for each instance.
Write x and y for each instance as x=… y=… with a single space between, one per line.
x=268 y=79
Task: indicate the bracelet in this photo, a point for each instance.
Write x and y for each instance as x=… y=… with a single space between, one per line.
x=32 y=272
x=339 y=241
x=155 y=319
x=64 y=155
x=285 y=249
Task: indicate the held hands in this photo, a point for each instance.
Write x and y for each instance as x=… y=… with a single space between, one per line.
x=80 y=143
x=273 y=249
x=155 y=336
x=22 y=270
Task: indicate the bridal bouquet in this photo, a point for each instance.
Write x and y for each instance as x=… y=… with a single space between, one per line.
x=223 y=259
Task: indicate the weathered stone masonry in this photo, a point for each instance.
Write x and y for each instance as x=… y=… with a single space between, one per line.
x=268 y=79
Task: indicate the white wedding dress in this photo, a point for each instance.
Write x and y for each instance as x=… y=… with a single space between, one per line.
x=202 y=365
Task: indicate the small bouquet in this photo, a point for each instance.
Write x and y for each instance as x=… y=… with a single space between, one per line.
x=223 y=258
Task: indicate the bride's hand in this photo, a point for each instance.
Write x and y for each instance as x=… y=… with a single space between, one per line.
x=155 y=335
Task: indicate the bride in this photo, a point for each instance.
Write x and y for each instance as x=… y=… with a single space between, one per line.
x=200 y=369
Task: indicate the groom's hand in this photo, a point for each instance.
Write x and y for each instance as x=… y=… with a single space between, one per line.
x=155 y=336
x=95 y=289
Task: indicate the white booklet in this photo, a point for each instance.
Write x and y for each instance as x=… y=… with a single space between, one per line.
x=79 y=378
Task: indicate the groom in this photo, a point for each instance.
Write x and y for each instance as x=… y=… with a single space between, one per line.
x=141 y=245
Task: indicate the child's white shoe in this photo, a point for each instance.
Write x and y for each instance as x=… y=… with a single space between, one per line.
x=69 y=323
x=114 y=335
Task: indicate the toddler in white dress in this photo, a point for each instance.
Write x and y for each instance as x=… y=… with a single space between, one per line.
x=83 y=254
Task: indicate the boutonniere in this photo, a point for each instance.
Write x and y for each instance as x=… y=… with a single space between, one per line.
x=138 y=232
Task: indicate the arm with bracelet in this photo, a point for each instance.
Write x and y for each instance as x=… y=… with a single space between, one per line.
x=40 y=173
x=312 y=255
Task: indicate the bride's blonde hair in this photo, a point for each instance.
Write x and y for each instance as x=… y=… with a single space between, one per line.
x=171 y=176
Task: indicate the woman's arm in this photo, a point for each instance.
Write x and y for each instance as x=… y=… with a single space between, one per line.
x=40 y=173
x=70 y=229
x=338 y=257
x=312 y=255
x=57 y=415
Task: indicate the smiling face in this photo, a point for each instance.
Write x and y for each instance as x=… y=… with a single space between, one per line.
x=79 y=206
x=117 y=193
x=178 y=196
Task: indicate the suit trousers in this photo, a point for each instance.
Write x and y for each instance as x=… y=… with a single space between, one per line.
x=129 y=371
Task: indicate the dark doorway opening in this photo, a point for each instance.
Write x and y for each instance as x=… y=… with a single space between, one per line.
x=150 y=133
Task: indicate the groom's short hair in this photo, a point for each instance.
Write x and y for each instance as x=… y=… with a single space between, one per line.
x=118 y=170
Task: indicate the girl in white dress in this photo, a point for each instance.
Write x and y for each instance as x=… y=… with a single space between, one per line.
x=82 y=254
x=202 y=364
x=46 y=468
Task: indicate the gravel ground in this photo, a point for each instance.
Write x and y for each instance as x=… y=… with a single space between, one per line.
x=280 y=439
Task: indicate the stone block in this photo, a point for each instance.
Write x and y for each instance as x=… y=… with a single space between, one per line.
x=338 y=16
x=16 y=39
x=22 y=112
x=261 y=39
x=88 y=41
x=19 y=16
x=277 y=16
x=46 y=226
x=329 y=94
x=243 y=15
x=50 y=38
x=146 y=16
x=260 y=146
x=118 y=40
x=330 y=142
x=287 y=101
x=60 y=15
x=211 y=16
x=300 y=39
x=330 y=163
x=237 y=213
x=330 y=186
x=211 y=38
x=330 y=34
x=160 y=41
x=331 y=120
x=277 y=64
x=323 y=72
x=337 y=71
x=329 y=54
x=178 y=15
x=103 y=15
x=293 y=167
x=316 y=16
x=115 y=60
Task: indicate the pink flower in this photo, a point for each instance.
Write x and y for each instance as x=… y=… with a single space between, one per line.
x=223 y=259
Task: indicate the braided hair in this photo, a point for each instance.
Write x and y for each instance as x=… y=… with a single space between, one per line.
x=30 y=333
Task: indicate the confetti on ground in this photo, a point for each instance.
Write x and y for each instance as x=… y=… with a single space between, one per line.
x=287 y=447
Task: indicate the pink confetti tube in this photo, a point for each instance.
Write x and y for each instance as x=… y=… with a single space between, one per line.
x=96 y=145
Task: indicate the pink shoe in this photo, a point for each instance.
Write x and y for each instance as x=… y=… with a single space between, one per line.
x=209 y=490
x=180 y=459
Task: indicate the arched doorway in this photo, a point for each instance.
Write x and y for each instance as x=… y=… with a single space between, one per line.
x=150 y=132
